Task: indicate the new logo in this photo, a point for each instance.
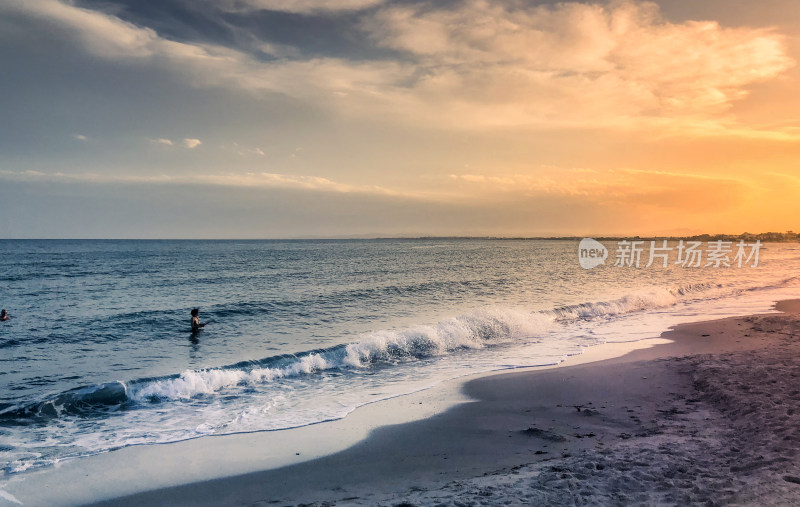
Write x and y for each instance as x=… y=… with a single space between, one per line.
x=591 y=253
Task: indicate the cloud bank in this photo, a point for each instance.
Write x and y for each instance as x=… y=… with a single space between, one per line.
x=479 y=64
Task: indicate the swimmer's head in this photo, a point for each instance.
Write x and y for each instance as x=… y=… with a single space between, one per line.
x=194 y=312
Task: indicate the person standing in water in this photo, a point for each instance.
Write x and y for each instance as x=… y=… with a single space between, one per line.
x=196 y=325
x=4 y=315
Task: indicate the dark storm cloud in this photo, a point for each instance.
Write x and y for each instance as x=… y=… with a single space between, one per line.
x=173 y=19
x=316 y=34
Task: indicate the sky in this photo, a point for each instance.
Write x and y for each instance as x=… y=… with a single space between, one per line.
x=349 y=118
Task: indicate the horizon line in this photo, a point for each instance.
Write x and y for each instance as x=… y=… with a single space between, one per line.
x=783 y=235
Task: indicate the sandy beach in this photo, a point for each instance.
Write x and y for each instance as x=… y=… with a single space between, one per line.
x=712 y=417
x=399 y=253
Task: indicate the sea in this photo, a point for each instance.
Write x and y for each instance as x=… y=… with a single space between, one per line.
x=99 y=352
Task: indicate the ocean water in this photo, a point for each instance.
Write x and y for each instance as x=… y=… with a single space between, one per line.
x=99 y=352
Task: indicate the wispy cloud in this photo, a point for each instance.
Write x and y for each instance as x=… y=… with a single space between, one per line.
x=191 y=143
x=613 y=187
x=242 y=151
x=80 y=137
x=89 y=177
x=266 y=179
x=186 y=143
x=247 y=179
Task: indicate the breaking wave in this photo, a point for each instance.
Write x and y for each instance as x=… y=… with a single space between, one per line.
x=480 y=329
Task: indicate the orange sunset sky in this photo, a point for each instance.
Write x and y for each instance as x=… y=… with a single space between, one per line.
x=267 y=118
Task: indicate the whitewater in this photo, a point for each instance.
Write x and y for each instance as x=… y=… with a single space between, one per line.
x=98 y=354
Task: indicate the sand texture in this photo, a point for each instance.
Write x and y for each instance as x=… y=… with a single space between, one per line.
x=713 y=418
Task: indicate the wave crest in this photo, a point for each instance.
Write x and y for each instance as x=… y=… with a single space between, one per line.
x=480 y=329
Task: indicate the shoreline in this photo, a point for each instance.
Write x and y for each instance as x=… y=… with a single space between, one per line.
x=149 y=467
x=422 y=441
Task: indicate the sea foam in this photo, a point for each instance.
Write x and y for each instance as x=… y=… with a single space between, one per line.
x=482 y=328
x=486 y=327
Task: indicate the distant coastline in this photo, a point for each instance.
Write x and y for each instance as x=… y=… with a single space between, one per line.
x=764 y=237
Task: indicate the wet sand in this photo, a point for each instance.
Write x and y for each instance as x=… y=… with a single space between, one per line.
x=712 y=417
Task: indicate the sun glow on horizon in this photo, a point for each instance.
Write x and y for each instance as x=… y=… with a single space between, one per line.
x=473 y=117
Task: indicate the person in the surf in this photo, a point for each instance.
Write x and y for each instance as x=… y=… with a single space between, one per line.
x=196 y=325
x=4 y=315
